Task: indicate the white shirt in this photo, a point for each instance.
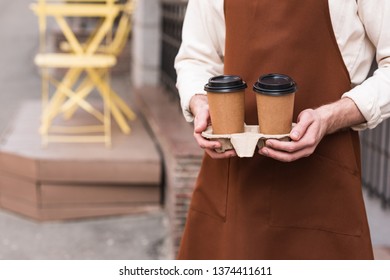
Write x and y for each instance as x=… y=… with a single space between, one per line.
x=361 y=27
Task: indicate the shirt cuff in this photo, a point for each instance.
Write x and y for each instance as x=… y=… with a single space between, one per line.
x=367 y=106
x=185 y=105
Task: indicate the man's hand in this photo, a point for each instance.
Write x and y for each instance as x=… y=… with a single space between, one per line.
x=200 y=109
x=311 y=127
x=305 y=137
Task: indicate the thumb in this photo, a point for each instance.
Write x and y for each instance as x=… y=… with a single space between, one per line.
x=201 y=121
x=305 y=119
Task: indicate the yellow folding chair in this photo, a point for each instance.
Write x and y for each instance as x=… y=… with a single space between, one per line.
x=115 y=47
x=87 y=68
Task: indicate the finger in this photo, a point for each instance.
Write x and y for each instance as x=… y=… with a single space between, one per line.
x=205 y=143
x=201 y=121
x=211 y=146
x=284 y=146
x=289 y=146
x=284 y=156
x=308 y=141
x=305 y=119
x=215 y=155
x=287 y=151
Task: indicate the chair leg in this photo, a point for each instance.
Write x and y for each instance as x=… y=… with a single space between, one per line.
x=106 y=93
x=51 y=109
x=107 y=120
x=81 y=102
x=70 y=106
x=123 y=106
x=87 y=85
x=115 y=98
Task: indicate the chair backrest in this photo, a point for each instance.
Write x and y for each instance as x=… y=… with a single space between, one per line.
x=119 y=39
x=123 y=29
x=62 y=9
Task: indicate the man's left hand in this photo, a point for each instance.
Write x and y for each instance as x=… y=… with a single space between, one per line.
x=312 y=125
x=305 y=137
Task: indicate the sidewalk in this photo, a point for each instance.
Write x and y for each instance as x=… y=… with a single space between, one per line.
x=379 y=221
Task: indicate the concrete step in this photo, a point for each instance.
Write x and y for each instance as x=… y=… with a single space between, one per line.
x=76 y=180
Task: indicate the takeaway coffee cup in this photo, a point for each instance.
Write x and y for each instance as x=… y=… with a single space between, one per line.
x=275 y=103
x=226 y=97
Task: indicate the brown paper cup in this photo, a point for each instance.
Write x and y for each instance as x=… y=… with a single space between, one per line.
x=275 y=95
x=227 y=112
x=226 y=98
x=275 y=113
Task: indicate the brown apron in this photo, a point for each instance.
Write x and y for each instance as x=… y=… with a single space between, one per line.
x=259 y=208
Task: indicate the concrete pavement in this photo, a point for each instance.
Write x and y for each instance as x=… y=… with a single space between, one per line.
x=133 y=237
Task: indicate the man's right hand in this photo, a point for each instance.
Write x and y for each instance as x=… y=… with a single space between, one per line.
x=200 y=109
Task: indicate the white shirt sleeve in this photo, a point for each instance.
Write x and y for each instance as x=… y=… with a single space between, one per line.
x=201 y=54
x=372 y=97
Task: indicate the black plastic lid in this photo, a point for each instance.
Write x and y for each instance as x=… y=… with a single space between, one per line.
x=275 y=84
x=225 y=83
